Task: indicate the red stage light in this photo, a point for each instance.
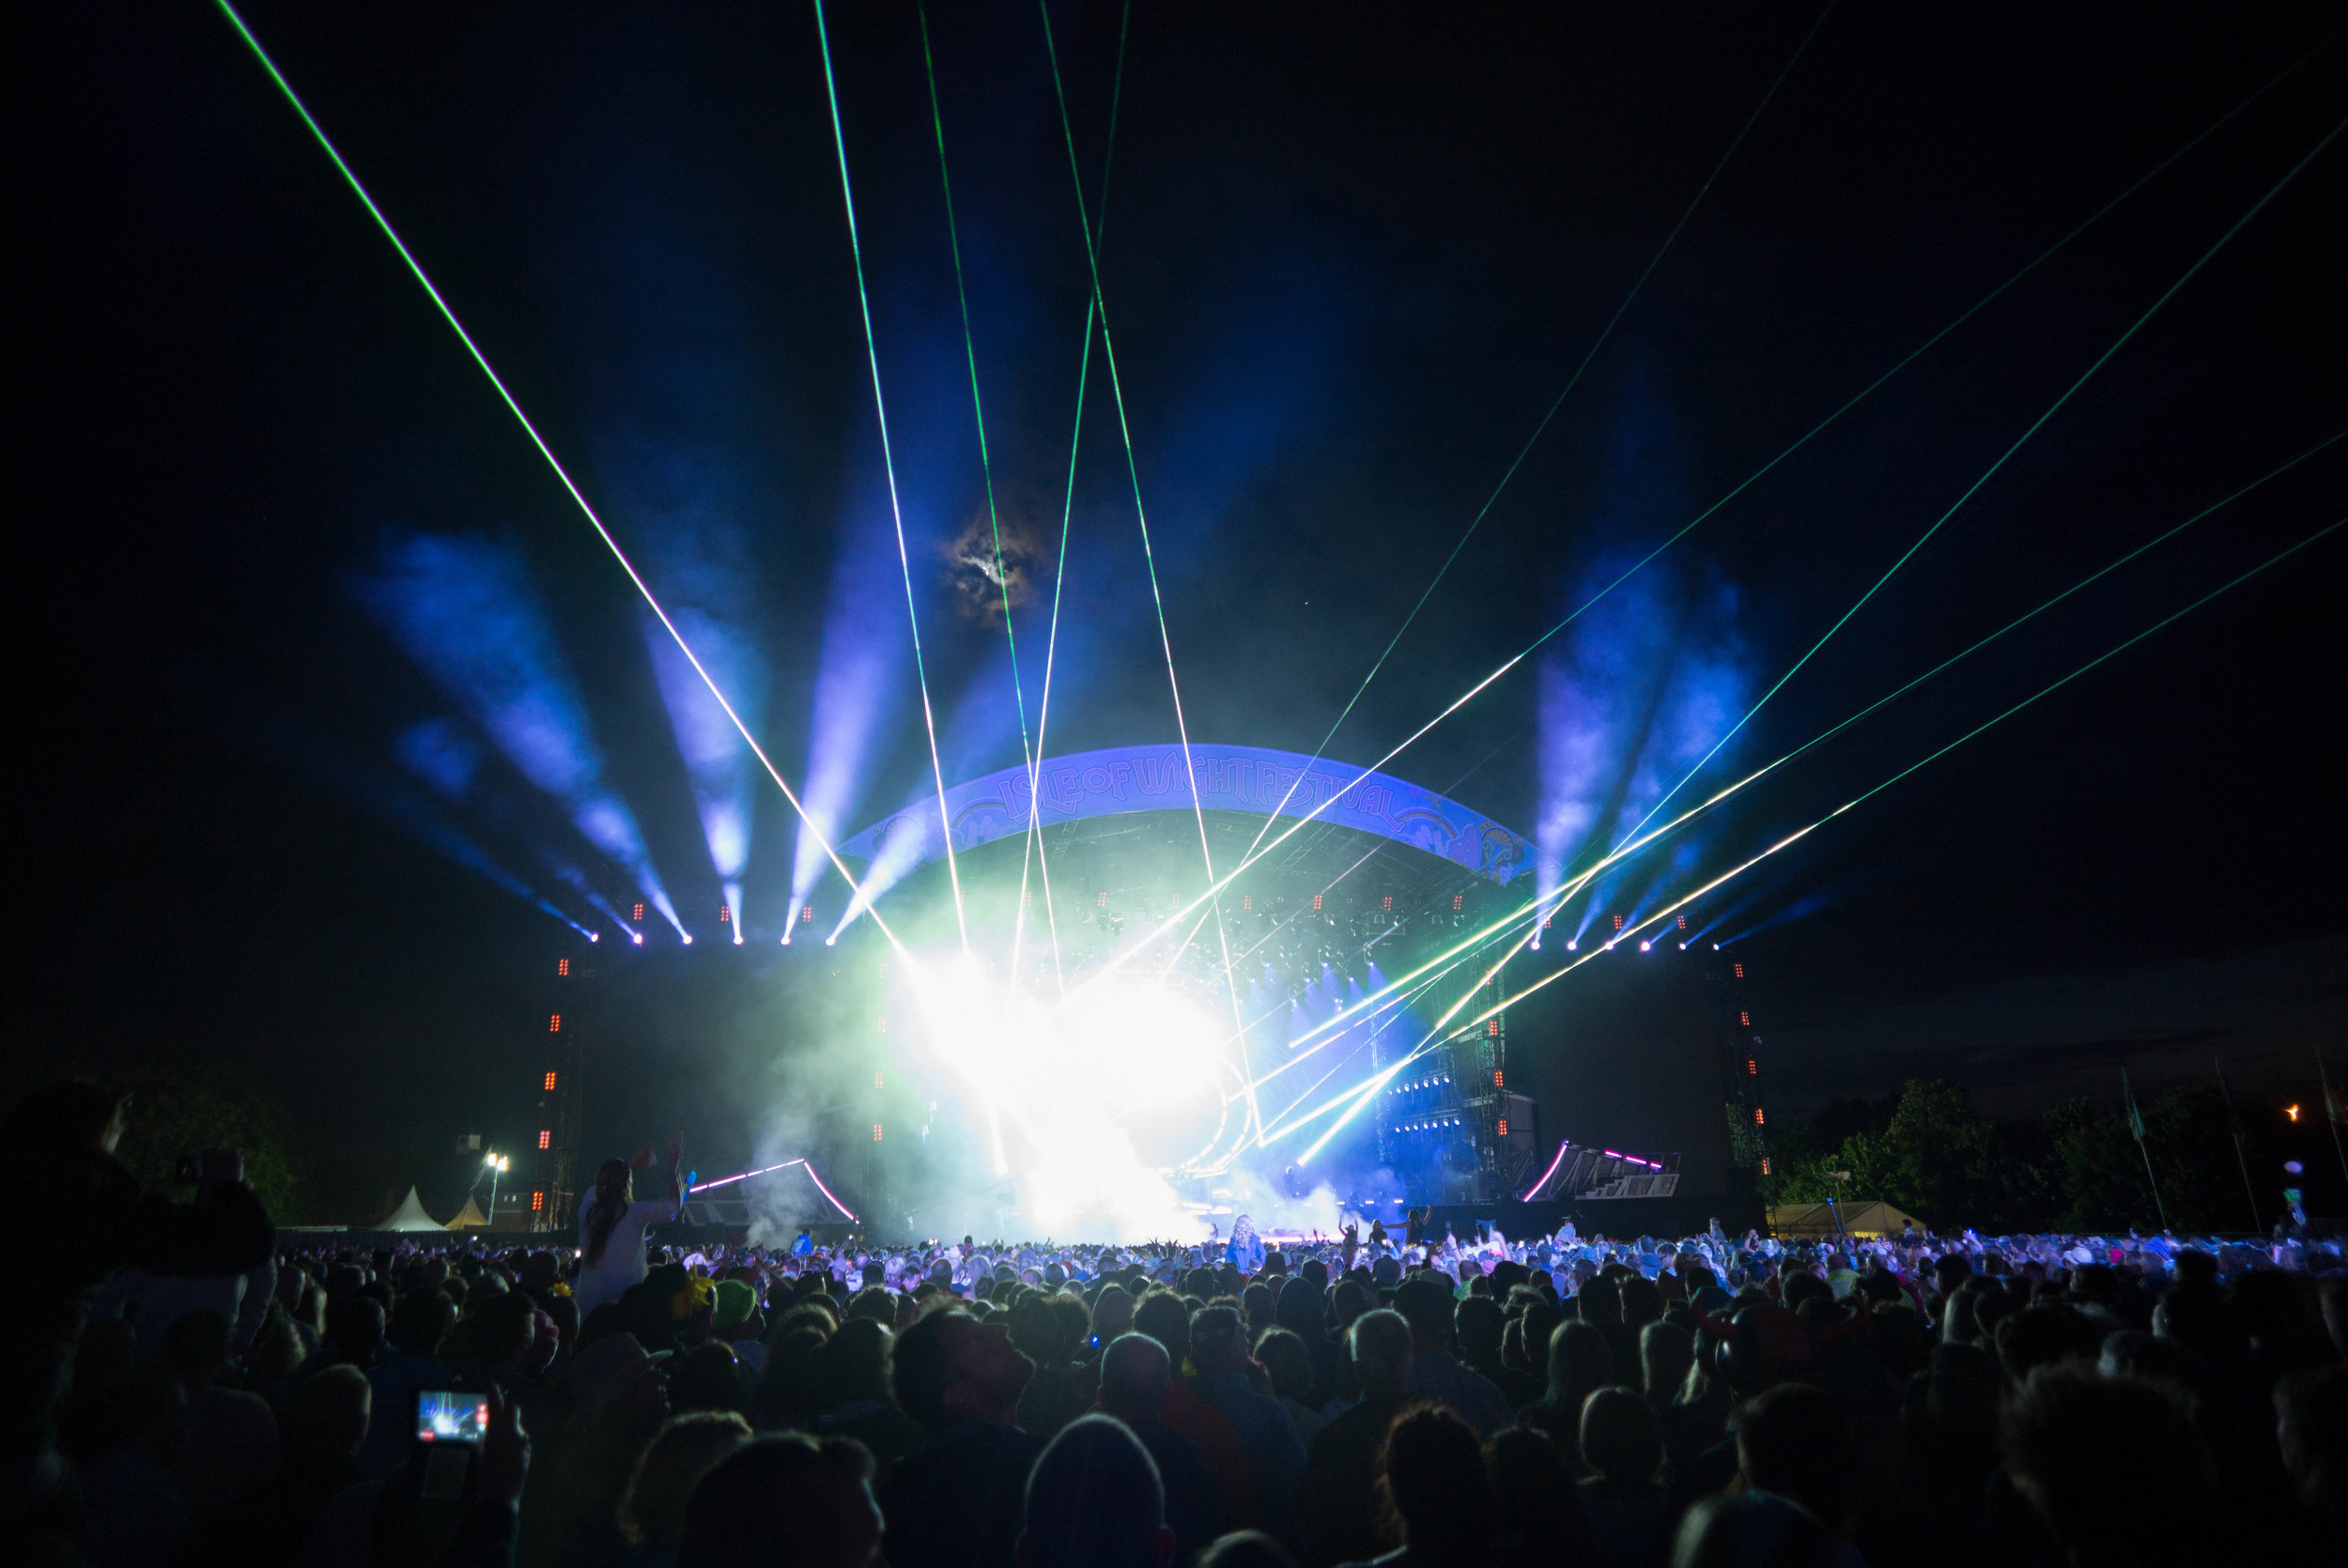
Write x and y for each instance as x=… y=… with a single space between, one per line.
x=1618 y=922
x=1496 y=1078
x=1492 y=1027
x=639 y=912
x=554 y=1024
x=1745 y=1019
x=1752 y=1069
x=549 y=1083
x=1765 y=1164
x=537 y=1201
x=1389 y=904
x=562 y=966
x=546 y=1138
x=1756 y=1115
x=1683 y=922
x=1740 y=971
x=1503 y=1127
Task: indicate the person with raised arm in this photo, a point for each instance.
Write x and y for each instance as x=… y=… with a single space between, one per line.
x=611 y=1226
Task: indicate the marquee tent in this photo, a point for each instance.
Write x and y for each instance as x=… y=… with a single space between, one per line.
x=468 y=1217
x=410 y=1215
x=1860 y=1216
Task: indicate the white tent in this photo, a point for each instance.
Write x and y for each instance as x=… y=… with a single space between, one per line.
x=410 y=1215
x=469 y=1215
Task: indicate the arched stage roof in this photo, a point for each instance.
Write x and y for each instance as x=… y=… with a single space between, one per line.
x=1247 y=778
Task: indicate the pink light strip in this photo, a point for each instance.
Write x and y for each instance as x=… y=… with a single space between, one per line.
x=1563 y=1146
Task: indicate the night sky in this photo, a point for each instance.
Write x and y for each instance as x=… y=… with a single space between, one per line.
x=1351 y=256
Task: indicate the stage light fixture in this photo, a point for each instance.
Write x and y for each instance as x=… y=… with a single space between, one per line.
x=594 y=937
x=639 y=913
x=637 y=937
x=562 y=966
x=549 y=1083
x=688 y=937
x=546 y=1138
x=786 y=936
x=1740 y=971
x=807 y=913
x=1647 y=946
x=537 y=1201
x=1573 y=945
x=554 y=1024
x=832 y=941
x=737 y=939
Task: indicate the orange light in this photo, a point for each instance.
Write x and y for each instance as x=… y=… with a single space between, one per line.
x=877 y=1132
x=2292 y=1111
x=1389 y=904
x=1752 y=1069
x=554 y=1024
x=1765 y=1164
x=1316 y=900
x=562 y=966
x=1459 y=900
x=1756 y=1115
x=807 y=913
x=537 y=1201
x=1496 y=1078
x=1503 y=1127
x=639 y=912
x=1740 y=971
x=1683 y=922
x=549 y=1083
x=1745 y=1019
x=1618 y=922
x=546 y=1140
x=1492 y=1027
x=725 y=915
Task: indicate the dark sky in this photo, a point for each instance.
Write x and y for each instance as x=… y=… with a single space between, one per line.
x=1351 y=256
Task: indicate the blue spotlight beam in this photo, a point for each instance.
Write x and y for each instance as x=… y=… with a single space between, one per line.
x=896 y=511
x=1573 y=887
x=1541 y=426
x=1157 y=600
x=1362 y=1094
x=1987 y=474
x=416 y=270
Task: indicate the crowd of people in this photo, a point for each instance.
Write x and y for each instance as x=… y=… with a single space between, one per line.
x=184 y=1387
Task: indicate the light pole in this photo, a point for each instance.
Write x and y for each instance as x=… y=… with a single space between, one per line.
x=497 y=1164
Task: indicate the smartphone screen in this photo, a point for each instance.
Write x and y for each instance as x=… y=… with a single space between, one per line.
x=447 y=1416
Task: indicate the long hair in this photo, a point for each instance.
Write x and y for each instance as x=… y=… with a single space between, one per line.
x=611 y=1191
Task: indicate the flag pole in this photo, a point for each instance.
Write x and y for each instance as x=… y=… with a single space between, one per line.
x=2331 y=1111
x=2234 y=1125
x=2135 y=1126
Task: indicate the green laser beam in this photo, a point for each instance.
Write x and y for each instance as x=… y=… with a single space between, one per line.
x=896 y=510
x=986 y=465
x=562 y=475
x=1801 y=441
x=1149 y=555
x=2097 y=575
x=1974 y=488
x=1034 y=845
x=1929 y=758
x=1559 y=402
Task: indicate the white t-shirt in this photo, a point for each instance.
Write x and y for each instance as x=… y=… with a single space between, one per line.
x=622 y=1261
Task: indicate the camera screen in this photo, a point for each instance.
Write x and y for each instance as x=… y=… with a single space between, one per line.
x=446 y=1416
